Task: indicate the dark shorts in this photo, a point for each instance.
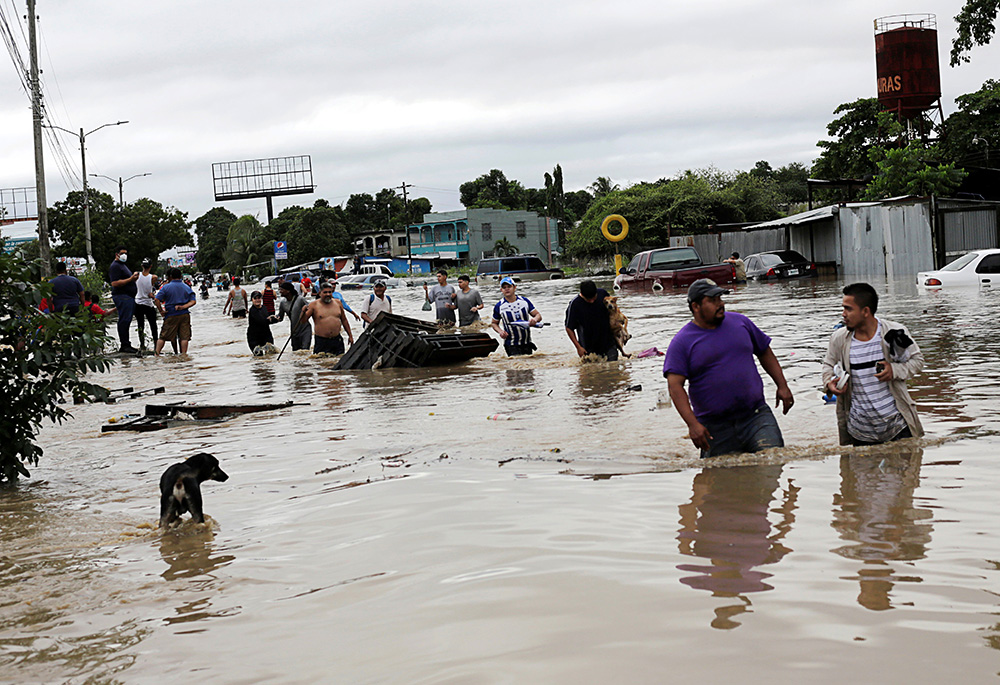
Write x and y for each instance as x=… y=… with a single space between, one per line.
x=239 y=313
x=176 y=326
x=445 y=316
x=328 y=345
x=751 y=432
x=519 y=350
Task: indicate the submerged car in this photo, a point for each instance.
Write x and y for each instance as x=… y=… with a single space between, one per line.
x=778 y=264
x=522 y=267
x=980 y=268
x=364 y=281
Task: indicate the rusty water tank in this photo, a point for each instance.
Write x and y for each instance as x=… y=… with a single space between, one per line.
x=906 y=62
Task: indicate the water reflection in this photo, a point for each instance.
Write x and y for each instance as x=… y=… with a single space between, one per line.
x=875 y=514
x=520 y=378
x=191 y=554
x=601 y=385
x=726 y=522
x=263 y=375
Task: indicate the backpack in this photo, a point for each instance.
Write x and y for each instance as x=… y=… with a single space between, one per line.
x=371 y=299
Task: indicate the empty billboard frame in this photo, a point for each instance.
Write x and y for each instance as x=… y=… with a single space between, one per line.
x=267 y=178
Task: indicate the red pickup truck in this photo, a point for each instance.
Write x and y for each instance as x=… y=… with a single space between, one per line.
x=670 y=267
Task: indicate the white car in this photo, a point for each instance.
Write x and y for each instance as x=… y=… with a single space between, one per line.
x=979 y=268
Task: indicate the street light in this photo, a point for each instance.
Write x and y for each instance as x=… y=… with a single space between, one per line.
x=83 y=160
x=121 y=182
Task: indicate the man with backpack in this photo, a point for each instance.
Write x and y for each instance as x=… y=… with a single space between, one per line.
x=377 y=302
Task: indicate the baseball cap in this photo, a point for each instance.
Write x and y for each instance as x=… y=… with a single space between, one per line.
x=379 y=283
x=146 y=262
x=506 y=279
x=705 y=287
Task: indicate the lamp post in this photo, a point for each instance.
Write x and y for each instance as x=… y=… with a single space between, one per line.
x=83 y=162
x=121 y=182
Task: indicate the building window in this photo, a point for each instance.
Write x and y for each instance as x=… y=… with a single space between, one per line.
x=402 y=241
x=522 y=231
x=487 y=231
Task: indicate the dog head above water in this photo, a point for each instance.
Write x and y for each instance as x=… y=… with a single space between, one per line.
x=207 y=467
x=611 y=302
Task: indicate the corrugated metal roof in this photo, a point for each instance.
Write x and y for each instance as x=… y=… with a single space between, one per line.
x=821 y=213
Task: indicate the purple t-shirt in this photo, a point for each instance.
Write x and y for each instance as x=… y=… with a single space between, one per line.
x=719 y=366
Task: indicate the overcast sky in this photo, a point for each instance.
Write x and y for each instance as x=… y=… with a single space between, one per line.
x=436 y=93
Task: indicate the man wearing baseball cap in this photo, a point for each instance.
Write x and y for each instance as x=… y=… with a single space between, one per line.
x=726 y=411
x=517 y=315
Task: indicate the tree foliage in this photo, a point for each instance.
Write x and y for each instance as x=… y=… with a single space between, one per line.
x=313 y=233
x=854 y=133
x=247 y=242
x=492 y=190
x=972 y=132
x=912 y=169
x=212 y=229
x=383 y=211
x=975 y=25
x=145 y=227
x=43 y=361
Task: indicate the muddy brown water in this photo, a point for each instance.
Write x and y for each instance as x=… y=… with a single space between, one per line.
x=388 y=532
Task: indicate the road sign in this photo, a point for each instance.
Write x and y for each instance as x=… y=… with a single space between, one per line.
x=280 y=249
x=10 y=244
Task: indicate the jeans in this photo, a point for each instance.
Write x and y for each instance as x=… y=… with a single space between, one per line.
x=750 y=432
x=126 y=309
x=144 y=313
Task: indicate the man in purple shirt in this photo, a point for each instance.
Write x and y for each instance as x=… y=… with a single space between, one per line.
x=726 y=411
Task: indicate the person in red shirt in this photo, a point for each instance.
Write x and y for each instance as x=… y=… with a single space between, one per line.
x=268 y=296
x=91 y=305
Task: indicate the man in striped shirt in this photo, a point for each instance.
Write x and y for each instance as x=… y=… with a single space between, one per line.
x=875 y=357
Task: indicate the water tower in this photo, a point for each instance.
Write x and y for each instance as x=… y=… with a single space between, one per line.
x=906 y=62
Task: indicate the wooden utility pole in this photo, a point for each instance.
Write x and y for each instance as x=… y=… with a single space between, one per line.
x=44 y=249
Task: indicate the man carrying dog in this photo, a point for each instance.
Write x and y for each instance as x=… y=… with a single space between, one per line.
x=876 y=356
x=329 y=318
x=588 y=324
x=291 y=305
x=726 y=411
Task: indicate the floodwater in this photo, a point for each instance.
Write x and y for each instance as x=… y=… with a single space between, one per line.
x=383 y=530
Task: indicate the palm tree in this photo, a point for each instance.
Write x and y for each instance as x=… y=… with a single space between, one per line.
x=503 y=248
x=603 y=186
x=245 y=244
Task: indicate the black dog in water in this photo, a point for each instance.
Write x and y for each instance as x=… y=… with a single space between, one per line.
x=180 y=487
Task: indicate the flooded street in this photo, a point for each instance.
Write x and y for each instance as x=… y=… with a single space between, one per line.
x=384 y=530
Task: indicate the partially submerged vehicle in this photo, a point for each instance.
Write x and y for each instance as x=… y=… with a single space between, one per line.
x=670 y=267
x=366 y=281
x=980 y=268
x=522 y=267
x=778 y=264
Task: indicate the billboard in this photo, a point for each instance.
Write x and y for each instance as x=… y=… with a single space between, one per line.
x=262 y=177
x=17 y=204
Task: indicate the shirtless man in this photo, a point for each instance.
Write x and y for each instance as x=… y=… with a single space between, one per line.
x=329 y=318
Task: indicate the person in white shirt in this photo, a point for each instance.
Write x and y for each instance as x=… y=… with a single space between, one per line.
x=146 y=285
x=377 y=302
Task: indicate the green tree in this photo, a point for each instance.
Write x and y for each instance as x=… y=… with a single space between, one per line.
x=972 y=132
x=492 y=190
x=145 y=227
x=854 y=133
x=316 y=233
x=975 y=25
x=577 y=203
x=212 y=229
x=555 y=201
x=791 y=180
x=503 y=248
x=603 y=186
x=912 y=169
x=246 y=243
x=44 y=359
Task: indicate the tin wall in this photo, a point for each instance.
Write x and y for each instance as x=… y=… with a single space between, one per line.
x=885 y=240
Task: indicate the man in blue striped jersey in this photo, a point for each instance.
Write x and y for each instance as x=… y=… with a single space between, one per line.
x=517 y=315
x=875 y=356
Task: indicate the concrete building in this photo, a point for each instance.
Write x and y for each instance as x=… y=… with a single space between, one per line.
x=383 y=243
x=466 y=236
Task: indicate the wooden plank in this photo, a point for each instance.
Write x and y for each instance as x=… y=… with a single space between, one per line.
x=210 y=411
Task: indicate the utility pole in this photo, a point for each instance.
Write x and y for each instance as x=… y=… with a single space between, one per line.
x=83 y=161
x=406 y=224
x=44 y=249
x=121 y=182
